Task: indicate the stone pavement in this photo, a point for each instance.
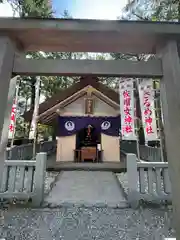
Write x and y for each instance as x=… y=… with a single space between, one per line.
x=81 y=223
x=87 y=188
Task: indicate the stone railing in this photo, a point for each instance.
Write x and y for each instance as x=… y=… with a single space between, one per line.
x=25 y=151
x=48 y=146
x=24 y=180
x=123 y=156
x=150 y=154
x=148 y=181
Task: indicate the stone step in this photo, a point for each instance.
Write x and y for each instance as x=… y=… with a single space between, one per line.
x=87 y=188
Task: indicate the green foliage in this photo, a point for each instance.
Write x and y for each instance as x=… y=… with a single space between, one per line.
x=32 y=8
x=29 y=9
x=167 y=10
x=21 y=129
x=44 y=131
x=52 y=84
x=139 y=10
x=154 y=10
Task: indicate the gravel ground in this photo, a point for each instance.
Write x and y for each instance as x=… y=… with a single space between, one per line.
x=82 y=223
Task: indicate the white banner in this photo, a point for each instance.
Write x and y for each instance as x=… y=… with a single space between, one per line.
x=13 y=120
x=32 y=133
x=146 y=94
x=126 y=93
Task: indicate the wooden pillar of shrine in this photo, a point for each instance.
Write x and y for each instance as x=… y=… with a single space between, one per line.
x=170 y=90
x=7 y=52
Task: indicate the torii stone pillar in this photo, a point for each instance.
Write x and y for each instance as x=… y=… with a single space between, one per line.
x=7 y=52
x=170 y=97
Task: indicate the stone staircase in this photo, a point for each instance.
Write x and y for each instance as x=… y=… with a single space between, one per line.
x=86 y=188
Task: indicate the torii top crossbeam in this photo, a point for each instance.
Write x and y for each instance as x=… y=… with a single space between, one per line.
x=74 y=35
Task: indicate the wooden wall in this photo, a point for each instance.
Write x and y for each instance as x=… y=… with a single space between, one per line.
x=111 y=148
x=66 y=145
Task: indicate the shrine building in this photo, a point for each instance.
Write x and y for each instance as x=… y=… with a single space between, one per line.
x=86 y=119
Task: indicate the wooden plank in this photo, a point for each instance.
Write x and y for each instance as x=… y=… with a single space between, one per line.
x=74 y=35
x=142 y=180
x=166 y=181
x=122 y=68
x=12 y=179
x=88 y=25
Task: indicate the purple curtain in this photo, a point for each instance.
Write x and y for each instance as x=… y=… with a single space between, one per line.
x=71 y=125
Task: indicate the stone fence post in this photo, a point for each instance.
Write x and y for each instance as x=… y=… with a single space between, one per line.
x=39 y=178
x=132 y=173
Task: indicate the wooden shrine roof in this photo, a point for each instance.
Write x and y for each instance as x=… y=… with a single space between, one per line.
x=75 y=35
x=64 y=94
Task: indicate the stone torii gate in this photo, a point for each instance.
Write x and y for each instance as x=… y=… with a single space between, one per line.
x=18 y=36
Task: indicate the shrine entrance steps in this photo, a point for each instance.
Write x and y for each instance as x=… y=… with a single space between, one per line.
x=72 y=166
x=120 y=166
x=87 y=188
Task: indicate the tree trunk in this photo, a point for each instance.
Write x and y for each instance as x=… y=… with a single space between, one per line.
x=24 y=130
x=33 y=92
x=33 y=95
